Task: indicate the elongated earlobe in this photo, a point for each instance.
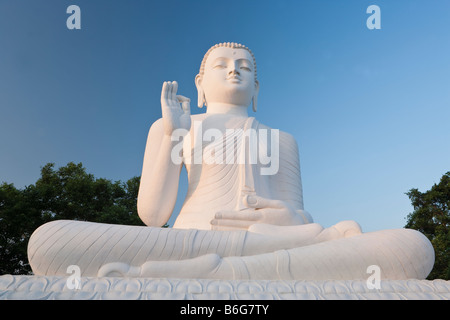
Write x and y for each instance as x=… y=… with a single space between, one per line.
x=201 y=98
x=255 y=96
x=201 y=95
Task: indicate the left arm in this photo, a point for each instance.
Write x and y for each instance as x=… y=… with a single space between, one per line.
x=288 y=179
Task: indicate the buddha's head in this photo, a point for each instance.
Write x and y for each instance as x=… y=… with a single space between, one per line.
x=228 y=76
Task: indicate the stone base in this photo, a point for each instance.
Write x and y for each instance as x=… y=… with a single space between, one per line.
x=55 y=288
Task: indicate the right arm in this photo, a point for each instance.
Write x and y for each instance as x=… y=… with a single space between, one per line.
x=160 y=175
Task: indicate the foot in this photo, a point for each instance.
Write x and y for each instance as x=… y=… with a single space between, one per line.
x=348 y=228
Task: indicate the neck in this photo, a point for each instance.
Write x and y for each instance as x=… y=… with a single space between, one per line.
x=225 y=108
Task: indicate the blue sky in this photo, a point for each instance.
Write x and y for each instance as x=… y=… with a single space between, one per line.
x=369 y=109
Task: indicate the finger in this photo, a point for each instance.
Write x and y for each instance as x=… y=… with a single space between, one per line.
x=164 y=92
x=169 y=91
x=257 y=202
x=185 y=103
x=181 y=98
x=174 y=91
x=238 y=215
x=235 y=224
x=186 y=107
x=225 y=228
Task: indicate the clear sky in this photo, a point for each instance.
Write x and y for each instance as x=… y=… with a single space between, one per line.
x=370 y=109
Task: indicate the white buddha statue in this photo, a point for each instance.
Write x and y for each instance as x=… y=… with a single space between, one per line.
x=227 y=84
x=243 y=216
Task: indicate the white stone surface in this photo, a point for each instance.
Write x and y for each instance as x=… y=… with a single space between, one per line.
x=214 y=144
x=48 y=288
x=129 y=251
x=243 y=218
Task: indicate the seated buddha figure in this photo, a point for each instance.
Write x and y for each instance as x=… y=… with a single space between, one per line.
x=226 y=190
x=243 y=215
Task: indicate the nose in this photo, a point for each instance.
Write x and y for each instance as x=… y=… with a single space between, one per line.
x=234 y=70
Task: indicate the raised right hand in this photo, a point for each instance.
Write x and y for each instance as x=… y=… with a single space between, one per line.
x=176 y=112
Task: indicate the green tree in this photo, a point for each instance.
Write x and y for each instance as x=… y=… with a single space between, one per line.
x=18 y=219
x=431 y=216
x=67 y=193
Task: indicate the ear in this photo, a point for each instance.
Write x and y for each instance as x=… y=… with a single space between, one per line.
x=201 y=96
x=255 y=96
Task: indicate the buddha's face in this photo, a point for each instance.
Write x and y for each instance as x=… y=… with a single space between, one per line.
x=229 y=77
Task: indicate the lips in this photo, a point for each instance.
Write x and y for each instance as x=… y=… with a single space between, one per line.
x=234 y=78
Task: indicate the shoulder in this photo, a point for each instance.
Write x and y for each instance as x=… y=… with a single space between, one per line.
x=157 y=127
x=158 y=123
x=288 y=144
x=286 y=139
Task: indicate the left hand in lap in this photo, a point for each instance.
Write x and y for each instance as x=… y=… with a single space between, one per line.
x=260 y=210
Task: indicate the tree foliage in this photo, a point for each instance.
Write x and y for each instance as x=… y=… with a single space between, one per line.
x=431 y=216
x=66 y=193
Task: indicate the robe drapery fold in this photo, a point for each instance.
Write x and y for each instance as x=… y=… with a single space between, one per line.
x=232 y=163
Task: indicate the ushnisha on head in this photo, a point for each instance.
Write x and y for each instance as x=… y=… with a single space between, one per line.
x=228 y=77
